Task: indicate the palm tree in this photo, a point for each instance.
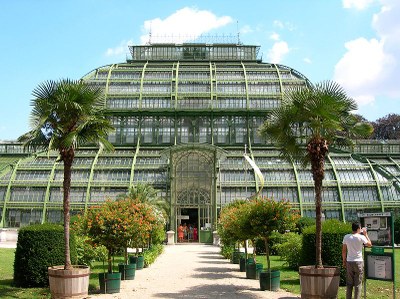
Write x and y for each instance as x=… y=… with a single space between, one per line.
x=146 y=193
x=65 y=115
x=308 y=122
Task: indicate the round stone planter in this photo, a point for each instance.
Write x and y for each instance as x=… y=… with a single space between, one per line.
x=72 y=283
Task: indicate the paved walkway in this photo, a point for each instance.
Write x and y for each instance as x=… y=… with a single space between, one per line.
x=192 y=271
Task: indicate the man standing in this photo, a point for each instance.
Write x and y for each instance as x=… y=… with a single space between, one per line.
x=353 y=259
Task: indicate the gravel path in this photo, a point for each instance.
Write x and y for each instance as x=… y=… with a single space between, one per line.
x=192 y=271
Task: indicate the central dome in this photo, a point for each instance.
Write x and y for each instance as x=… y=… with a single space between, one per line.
x=212 y=81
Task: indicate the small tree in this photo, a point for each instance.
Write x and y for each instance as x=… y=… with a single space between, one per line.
x=146 y=194
x=114 y=224
x=234 y=224
x=267 y=215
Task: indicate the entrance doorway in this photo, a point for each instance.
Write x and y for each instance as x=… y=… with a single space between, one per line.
x=189 y=219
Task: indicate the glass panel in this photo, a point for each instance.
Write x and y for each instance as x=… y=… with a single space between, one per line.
x=27 y=194
x=101 y=194
x=289 y=193
x=54 y=216
x=362 y=194
x=20 y=218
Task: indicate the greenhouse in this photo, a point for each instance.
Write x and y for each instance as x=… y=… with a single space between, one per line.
x=185 y=115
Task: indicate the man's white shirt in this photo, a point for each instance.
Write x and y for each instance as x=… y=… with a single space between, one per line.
x=354 y=243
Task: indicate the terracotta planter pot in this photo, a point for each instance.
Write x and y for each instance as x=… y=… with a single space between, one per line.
x=72 y=283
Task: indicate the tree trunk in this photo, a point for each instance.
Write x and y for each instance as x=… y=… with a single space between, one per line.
x=267 y=254
x=126 y=255
x=109 y=261
x=318 y=222
x=317 y=150
x=67 y=157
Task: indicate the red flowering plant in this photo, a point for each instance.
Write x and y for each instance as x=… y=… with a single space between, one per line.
x=147 y=220
x=269 y=215
x=114 y=224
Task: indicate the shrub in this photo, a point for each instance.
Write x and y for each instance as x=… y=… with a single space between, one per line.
x=227 y=250
x=289 y=249
x=38 y=247
x=276 y=238
x=118 y=224
x=151 y=254
x=157 y=235
x=267 y=216
x=87 y=252
x=304 y=222
x=233 y=223
x=333 y=232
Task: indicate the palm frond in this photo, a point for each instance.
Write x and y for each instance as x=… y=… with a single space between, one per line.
x=320 y=110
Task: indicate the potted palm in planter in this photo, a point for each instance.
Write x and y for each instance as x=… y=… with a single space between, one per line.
x=65 y=115
x=266 y=216
x=307 y=123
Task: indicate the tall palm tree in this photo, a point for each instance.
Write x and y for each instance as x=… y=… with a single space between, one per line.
x=67 y=114
x=308 y=122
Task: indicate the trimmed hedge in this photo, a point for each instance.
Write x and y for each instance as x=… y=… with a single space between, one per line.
x=38 y=247
x=333 y=232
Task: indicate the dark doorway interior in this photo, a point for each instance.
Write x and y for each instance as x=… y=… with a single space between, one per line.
x=191 y=225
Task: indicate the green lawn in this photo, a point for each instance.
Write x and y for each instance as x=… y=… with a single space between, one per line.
x=289 y=279
x=7 y=290
x=376 y=289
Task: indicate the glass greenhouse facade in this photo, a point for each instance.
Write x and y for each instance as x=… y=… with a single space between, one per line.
x=184 y=116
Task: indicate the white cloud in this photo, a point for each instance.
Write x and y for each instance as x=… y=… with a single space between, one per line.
x=281 y=25
x=362 y=63
x=369 y=69
x=357 y=4
x=246 y=29
x=183 y=25
x=274 y=36
x=307 y=60
x=278 y=51
x=119 y=50
x=278 y=24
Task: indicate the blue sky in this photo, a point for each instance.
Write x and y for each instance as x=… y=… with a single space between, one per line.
x=354 y=42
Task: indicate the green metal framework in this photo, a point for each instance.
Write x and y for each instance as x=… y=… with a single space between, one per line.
x=184 y=115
